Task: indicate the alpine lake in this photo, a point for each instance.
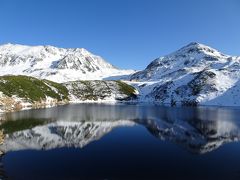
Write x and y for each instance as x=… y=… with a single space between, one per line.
x=121 y=141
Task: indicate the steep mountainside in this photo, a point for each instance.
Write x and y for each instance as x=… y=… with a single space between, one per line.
x=195 y=74
x=56 y=64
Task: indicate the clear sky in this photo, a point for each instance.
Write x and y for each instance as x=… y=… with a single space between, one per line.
x=127 y=33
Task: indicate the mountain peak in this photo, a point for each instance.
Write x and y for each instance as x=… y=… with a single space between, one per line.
x=197 y=49
x=15 y=49
x=82 y=51
x=194 y=55
x=194 y=44
x=53 y=63
x=195 y=74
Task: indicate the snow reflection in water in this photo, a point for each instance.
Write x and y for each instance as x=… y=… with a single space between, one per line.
x=141 y=140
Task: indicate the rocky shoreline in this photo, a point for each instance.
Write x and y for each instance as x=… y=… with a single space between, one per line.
x=2 y=136
x=10 y=104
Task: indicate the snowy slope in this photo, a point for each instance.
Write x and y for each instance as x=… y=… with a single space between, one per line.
x=56 y=64
x=195 y=74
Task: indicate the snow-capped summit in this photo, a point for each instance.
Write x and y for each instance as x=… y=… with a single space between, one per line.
x=57 y=64
x=197 y=47
x=194 y=74
x=193 y=57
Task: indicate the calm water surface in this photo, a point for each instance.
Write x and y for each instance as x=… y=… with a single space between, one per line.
x=97 y=141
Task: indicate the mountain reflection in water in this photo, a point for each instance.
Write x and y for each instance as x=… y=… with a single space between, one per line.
x=122 y=141
x=199 y=130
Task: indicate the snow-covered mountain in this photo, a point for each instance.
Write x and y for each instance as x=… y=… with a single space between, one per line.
x=56 y=64
x=195 y=74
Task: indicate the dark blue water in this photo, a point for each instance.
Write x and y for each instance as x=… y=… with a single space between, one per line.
x=150 y=142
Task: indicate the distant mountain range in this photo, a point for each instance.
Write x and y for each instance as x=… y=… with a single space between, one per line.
x=193 y=75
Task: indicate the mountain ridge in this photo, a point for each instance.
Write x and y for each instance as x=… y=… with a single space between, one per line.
x=193 y=75
x=56 y=64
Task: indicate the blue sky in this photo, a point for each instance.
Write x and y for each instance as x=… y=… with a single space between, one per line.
x=127 y=33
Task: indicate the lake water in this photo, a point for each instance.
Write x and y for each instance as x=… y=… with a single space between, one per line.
x=99 y=141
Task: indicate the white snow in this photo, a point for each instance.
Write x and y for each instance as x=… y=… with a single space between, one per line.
x=56 y=64
x=180 y=68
